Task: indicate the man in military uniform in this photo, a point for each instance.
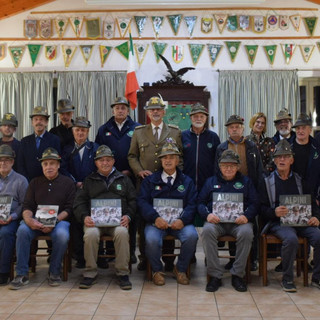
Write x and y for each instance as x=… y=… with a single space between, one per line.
x=283 y=124
x=64 y=129
x=146 y=144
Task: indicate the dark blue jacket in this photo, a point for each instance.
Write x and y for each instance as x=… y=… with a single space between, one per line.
x=254 y=162
x=65 y=134
x=28 y=157
x=118 y=141
x=154 y=187
x=276 y=137
x=15 y=145
x=75 y=168
x=240 y=184
x=199 y=153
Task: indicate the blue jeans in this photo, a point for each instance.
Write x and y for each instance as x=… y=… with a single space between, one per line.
x=188 y=237
x=7 y=242
x=60 y=238
x=289 y=237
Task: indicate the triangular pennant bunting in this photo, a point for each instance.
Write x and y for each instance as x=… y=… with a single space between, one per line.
x=93 y=28
x=140 y=23
x=233 y=48
x=206 y=24
x=61 y=26
x=16 y=54
x=123 y=25
x=50 y=52
x=86 y=51
x=68 y=53
x=214 y=50
x=272 y=22
x=177 y=53
x=244 y=23
x=306 y=51
x=251 y=52
x=271 y=52
x=284 y=22
x=141 y=50
x=76 y=23
x=296 y=21
x=34 y=50
x=30 y=28
x=159 y=48
x=288 y=50
x=195 y=51
x=45 y=28
x=221 y=20
x=104 y=53
x=258 y=24
x=2 y=51
x=190 y=23
x=124 y=49
x=157 y=24
x=232 y=23
x=108 y=29
x=175 y=21
x=310 y=23
x=318 y=45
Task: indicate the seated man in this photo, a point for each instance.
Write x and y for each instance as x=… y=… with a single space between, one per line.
x=228 y=181
x=106 y=183
x=163 y=185
x=12 y=185
x=50 y=189
x=285 y=182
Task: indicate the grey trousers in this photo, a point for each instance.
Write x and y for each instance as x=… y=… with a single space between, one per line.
x=210 y=234
x=91 y=239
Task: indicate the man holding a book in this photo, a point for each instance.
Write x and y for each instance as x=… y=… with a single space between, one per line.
x=167 y=203
x=13 y=189
x=283 y=190
x=46 y=207
x=228 y=191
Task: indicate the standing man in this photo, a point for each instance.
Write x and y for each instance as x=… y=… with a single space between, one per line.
x=65 y=111
x=51 y=188
x=8 y=126
x=13 y=185
x=33 y=146
x=283 y=124
x=146 y=144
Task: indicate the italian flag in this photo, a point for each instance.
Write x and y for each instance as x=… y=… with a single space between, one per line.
x=132 y=84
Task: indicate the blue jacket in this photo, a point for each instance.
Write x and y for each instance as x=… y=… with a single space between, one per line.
x=276 y=137
x=118 y=141
x=240 y=184
x=199 y=152
x=75 y=168
x=154 y=187
x=28 y=157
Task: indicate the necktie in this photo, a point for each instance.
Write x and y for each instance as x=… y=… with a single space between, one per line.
x=38 y=140
x=156 y=133
x=169 y=178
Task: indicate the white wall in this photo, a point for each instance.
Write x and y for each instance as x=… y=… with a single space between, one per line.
x=150 y=71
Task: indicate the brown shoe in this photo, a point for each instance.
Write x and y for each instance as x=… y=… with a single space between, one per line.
x=158 y=278
x=180 y=276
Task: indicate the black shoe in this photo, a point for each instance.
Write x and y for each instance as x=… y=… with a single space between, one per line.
x=213 y=284
x=102 y=263
x=288 y=286
x=239 y=283
x=142 y=265
x=49 y=259
x=278 y=268
x=229 y=265
x=133 y=259
x=310 y=268
x=254 y=265
x=80 y=264
x=168 y=266
x=4 y=279
x=193 y=259
x=124 y=282
x=315 y=283
x=87 y=283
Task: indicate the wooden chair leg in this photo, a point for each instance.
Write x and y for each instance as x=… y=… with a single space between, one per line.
x=264 y=262
x=305 y=262
x=248 y=269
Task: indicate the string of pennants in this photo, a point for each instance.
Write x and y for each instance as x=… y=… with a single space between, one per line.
x=258 y=24
x=196 y=50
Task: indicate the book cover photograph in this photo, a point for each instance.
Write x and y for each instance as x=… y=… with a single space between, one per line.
x=47 y=215
x=227 y=206
x=106 y=212
x=5 y=207
x=168 y=209
x=299 y=207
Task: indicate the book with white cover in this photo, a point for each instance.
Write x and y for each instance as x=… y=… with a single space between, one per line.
x=47 y=215
x=5 y=207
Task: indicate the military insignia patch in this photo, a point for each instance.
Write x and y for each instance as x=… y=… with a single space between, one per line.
x=181 y=188
x=209 y=145
x=129 y=134
x=238 y=185
x=119 y=187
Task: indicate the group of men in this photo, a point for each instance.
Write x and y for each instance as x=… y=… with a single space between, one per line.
x=149 y=168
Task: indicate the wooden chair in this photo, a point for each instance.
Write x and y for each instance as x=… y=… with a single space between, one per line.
x=177 y=247
x=302 y=256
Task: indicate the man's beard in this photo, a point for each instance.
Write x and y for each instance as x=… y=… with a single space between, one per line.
x=284 y=132
x=197 y=125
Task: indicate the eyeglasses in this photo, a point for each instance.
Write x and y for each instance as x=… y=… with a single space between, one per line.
x=228 y=166
x=5 y=160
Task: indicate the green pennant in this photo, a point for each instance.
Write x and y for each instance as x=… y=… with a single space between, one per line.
x=233 y=48
x=318 y=45
x=195 y=51
x=310 y=23
x=34 y=50
x=124 y=49
x=104 y=53
x=140 y=23
x=251 y=52
x=175 y=21
x=16 y=54
x=214 y=50
x=159 y=48
x=232 y=23
x=270 y=52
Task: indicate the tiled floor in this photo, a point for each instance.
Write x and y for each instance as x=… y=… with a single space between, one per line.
x=105 y=301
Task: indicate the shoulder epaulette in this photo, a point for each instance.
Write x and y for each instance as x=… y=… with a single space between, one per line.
x=173 y=126
x=139 y=127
